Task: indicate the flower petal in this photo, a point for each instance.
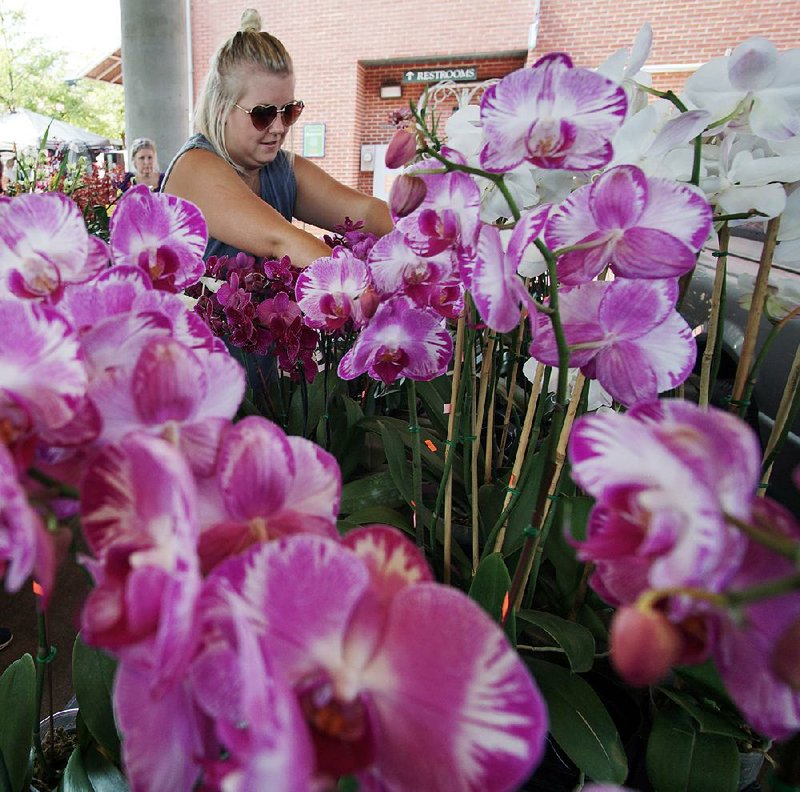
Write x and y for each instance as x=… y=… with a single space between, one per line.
x=457 y=709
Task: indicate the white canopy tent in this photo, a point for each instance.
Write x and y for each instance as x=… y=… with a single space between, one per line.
x=25 y=128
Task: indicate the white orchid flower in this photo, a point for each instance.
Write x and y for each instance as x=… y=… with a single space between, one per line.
x=625 y=67
x=747 y=178
x=657 y=140
x=598 y=395
x=788 y=249
x=756 y=79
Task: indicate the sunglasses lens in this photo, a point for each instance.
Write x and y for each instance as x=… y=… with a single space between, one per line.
x=291 y=112
x=263 y=115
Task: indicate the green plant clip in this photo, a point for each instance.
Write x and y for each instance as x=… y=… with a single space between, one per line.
x=529 y=530
x=50 y=656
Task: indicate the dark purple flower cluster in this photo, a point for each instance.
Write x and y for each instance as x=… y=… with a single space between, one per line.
x=352 y=236
x=254 y=309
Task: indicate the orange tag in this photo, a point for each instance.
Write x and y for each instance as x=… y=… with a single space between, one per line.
x=504 y=611
x=512 y=480
x=431 y=446
x=37 y=589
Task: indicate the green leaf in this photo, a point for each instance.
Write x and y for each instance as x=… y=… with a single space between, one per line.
x=576 y=641
x=347 y=443
x=103 y=776
x=434 y=395
x=377 y=489
x=296 y=421
x=93 y=678
x=490 y=588
x=18 y=708
x=75 y=778
x=399 y=466
x=680 y=758
x=383 y=515
x=708 y=721
x=580 y=723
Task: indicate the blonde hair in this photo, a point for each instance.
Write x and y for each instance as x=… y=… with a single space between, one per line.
x=144 y=143
x=248 y=47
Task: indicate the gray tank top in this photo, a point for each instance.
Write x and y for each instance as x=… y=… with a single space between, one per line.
x=278 y=189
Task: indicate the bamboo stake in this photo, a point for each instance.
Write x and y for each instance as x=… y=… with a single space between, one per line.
x=756 y=310
x=448 y=450
x=713 y=320
x=560 y=458
x=487 y=460
x=477 y=428
x=511 y=386
x=781 y=418
x=521 y=449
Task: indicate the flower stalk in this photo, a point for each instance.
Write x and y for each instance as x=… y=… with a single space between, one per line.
x=715 y=317
x=416 y=463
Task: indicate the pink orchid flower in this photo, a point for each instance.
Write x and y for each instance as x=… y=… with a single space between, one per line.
x=430 y=281
x=552 y=115
x=492 y=277
x=171 y=392
x=664 y=475
x=139 y=521
x=266 y=485
x=624 y=333
x=642 y=227
x=43 y=379
x=328 y=291
x=25 y=547
x=744 y=643
x=44 y=246
x=401 y=340
x=447 y=218
x=162 y=234
x=361 y=637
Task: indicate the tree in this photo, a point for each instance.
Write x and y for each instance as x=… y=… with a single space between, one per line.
x=32 y=76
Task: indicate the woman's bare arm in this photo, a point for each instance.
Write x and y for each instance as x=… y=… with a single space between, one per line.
x=325 y=202
x=236 y=215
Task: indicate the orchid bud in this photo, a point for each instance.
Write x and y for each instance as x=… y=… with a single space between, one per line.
x=402 y=149
x=644 y=645
x=785 y=660
x=369 y=301
x=407 y=193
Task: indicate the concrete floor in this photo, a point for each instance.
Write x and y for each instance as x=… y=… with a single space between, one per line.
x=18 y=612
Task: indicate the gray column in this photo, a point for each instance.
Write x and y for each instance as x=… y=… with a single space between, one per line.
x=156 y=73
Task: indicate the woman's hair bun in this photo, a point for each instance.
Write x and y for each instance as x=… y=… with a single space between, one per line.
x=251 y=21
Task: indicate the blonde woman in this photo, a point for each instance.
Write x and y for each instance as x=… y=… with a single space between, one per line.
x=144 y=160
x=235 y=168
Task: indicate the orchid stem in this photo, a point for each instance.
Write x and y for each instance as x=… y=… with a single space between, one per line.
x=781 y=545
x=62 y=490
x=43 y=658
x=416 y=463
x=718 y=292
x=788 y=410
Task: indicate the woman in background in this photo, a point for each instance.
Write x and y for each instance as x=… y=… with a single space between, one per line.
x=144 y=161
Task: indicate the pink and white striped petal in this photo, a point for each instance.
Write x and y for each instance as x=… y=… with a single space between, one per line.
x=484 y=722
x=145 y=221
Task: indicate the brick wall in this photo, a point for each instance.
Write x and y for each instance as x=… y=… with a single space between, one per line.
x=340 y=48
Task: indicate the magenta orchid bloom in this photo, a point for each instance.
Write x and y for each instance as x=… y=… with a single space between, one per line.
x=25 y=548
x=171 y=391
x=44 y=246
x=664 y=475
x=360 y=637
x=552 y=115
x=162 y=234
x=328 y=291
x=431 y=281
x=744 y=643
x=626 y=334
x=401 y=340
x=448 y=217
x=139 y=521
x=492 y=277
x=267 y=485
x=43 y=379
x=642 y=227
